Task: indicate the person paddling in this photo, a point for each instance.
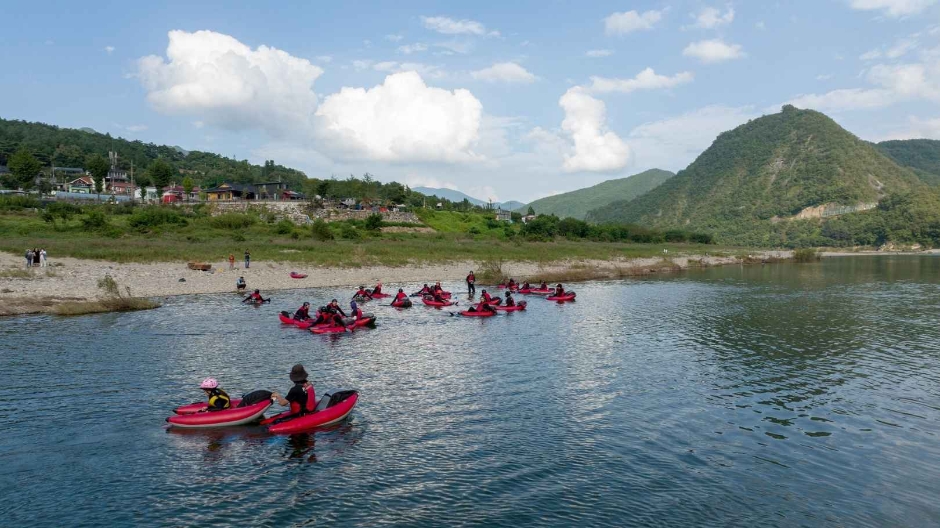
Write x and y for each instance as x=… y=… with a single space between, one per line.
x=218 y=399
x=332 y=312
x=526 y=286
x=485 y=297
x=559 y=291
x=362 y=293
x=401 y=295
x=301 y=397
x=509 y=300
x=471 y=281
x=303 y=313
x=512 y=285
x=377 y=289
x=423 y=291
x=354 y=311
x=543 y=286
x=256 y=298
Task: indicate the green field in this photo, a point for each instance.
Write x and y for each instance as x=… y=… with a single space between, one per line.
x=161 y=234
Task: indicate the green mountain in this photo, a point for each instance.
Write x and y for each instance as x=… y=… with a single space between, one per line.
x=749 y=186
x=576 y=204
x=457 y=197
x=920 y=155
x=69 y=147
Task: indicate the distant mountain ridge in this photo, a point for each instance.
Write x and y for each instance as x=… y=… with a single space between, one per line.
x=577 y=204
x=457 y=196
x=745 y=186
x=920 y=155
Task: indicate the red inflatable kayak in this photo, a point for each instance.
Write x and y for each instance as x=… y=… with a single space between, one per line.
x=566 y=297
x=381 y=295
x=200 y=407
x=327 y=412
x=536 y=291
x=494 y=301
x=467 y=313
x=295 y=275
x=291 y=321
x=517 y=308
x=404 y=303
x=228 y=417
x=331 y=329
x=437 y=304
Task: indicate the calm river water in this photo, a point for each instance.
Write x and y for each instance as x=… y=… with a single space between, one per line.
x=778 y=395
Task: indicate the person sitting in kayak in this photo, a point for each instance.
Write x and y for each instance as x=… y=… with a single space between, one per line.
x=240 y=284
x=437 y=288
x=509 y=300
x=485 y=297
x=423 y=291
x=543 y=286
x=482 y=307
x=301 y=397
x=362 y=293
x=401 y=295
x=334 y=313
x=218 y=399
x=303 y=313
x=512 y=285
x=526 y=286
x=354 y=310
x=377 y=289
x=255 y=297
x=559 y=291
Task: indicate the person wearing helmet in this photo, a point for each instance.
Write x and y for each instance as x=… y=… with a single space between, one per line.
x=256 y=298
x=401 y=295
x=377 y=289
x=543 y=285
x=354 y=310
x=303 y=313
x=423 y=291
x=218 y=399
x=509 y=300
x=301 y=397
x=559 y=291
x=512 y=286
x=526 y=286
x=334 y=313
x=485 y=297
x=437 y=288
x=362 y=293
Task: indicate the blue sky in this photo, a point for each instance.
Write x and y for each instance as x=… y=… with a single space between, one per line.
x=500 y=100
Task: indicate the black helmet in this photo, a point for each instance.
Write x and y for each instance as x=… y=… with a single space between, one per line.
x=334 y=300
x=306 y=304
x=257 y=291
x=400 y=290
x=508 y=293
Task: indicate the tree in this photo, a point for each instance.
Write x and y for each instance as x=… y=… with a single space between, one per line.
x=160 y=173
x=68 y=156
x=98 y=167
x=142 y=184
x=531 y=211
x=188 y=185
x=23 y=169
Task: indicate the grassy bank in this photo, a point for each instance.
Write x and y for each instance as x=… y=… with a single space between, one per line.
x=149 y=237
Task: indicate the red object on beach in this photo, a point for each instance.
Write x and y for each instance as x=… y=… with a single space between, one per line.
x=305 y=422
x=437 y=304
x=295 y=275
x=226 y=418
x=483 y=313
x=564 y=298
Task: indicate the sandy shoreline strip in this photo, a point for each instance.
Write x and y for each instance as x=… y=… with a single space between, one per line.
x=69 y=279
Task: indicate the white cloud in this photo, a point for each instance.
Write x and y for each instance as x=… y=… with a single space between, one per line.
x=673 y=143
x=394 y=38
x=599 y=53
x=712 y=51
x=711 y=18
x=596 y=149
x=844 y=99
x=891 y=84
x=893 y=8
x=899 y=49
x=508 y=72
x=109 y=49
x=425 y=70
x=917 y=128
x=362 y=64
x=630 y=21
x=229 y=84
x=455 y=46
x=870 y=55
x=326 y=59
x=647 y=79
x=449 y=26
x=408 y=49
x=401 y=120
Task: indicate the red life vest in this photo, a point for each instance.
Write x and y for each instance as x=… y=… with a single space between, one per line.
x=400 y=296
x=486 y=297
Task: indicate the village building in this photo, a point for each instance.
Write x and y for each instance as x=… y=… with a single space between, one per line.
x=503 y=215
x=83 y=185
x=227 y=191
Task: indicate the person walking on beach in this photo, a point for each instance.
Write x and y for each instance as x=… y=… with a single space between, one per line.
x=42 y=258
x=471 y=280
x=231 y=261
x=247 y=259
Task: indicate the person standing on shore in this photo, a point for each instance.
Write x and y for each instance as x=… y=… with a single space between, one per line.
x=29 y=258
x=247 y=259
x=471 y=280
x=42 y=258
x=231 y=261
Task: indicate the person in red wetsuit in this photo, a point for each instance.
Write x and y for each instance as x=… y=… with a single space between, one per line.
x=301 y=397
x=559 y=291
x=303 y=313
x=543 y=286
x=423 y=291
x=362 y=293
x=526 y=286
x=354 y=311
x=377 y=289
x=509 y=300
x=471 y=282
x=437 y=288
x=401 y=295
x=512 y=285
x=255 y=297
x=485 y=297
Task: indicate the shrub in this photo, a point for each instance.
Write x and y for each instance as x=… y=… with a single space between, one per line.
x=155 y=216
x=238 y=237
x=349 y=232
x=95 y=220
x=491 y=271
x=321 y=231
x=374 y=222
x=284 y=227
x=17 y=203
x=232 y=221
x=701 y=238
x=675 y=235
x=806 y=255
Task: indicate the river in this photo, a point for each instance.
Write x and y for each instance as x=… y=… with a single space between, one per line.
x=777 y=395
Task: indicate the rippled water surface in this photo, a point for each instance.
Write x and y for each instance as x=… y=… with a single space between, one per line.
x=780 y=395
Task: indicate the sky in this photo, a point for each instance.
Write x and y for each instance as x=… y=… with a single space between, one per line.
x=501 y=100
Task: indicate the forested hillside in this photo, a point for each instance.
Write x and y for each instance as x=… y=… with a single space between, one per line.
x=577 y=204
x=920 y=155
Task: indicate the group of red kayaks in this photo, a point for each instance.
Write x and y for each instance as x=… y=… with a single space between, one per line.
x=331 y=408
x=367 y=320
